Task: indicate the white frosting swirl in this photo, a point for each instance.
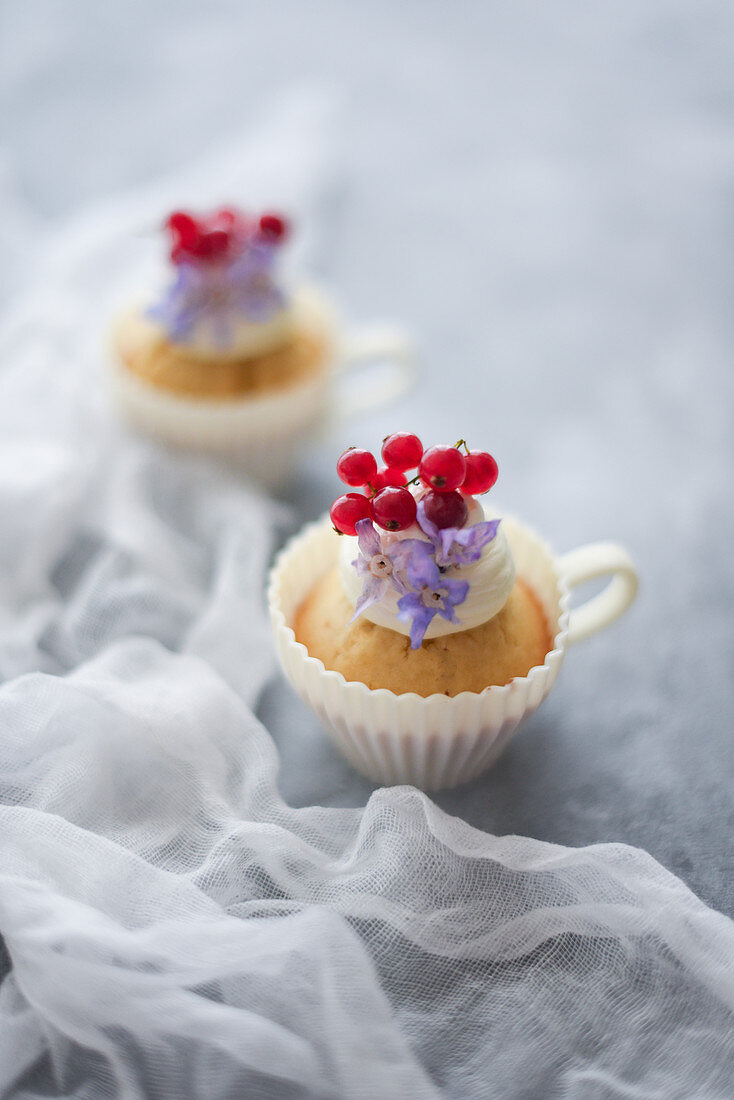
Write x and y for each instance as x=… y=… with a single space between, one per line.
x=248 y=338
x=245 y=339
x=491 y=579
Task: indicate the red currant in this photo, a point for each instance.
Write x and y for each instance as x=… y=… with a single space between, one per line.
x=186 y=233
x=225 y=217
x=402 y=451
x=445 y=509
x=231 y=221
x=213 y=244
x=481 y=473
x=442 y=468
x=394 y=508
x=185 y=229
x=387 y=476
x=347 y=511
x=273 y=227
x=356 y=467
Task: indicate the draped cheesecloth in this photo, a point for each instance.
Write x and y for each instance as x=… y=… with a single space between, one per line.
x=174 y=928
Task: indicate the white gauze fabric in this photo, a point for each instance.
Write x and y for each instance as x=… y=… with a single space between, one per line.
x=174 y=929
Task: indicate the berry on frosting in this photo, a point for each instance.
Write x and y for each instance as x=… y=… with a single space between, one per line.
x=442 y=468
x=222 y=235
x=446 y=477
x=442 y=471
x=185 y=233
x=481 y=473
x=424 y=567
x=347 y=511
x=225 y=272
x=387 y=475
x=228 y=217
x=393 y=509
x=356 y=467
x=203 y=239
x=273 y=227
x=445 y=509
x=214 y=244
x=402 y=451
x=457 y=545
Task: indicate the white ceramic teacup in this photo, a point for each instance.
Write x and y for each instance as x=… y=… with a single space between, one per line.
x=263 y=434
x=441 y=741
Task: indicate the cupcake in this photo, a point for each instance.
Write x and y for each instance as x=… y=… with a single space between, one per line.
x=422 y=626
x=225 y=327
x=228 y=358
x=425 y=596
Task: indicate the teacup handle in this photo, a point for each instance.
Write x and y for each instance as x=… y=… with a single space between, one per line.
x=389 y=346
x=601 y=559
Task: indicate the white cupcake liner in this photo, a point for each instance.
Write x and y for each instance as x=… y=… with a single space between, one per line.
x=263 y=434
x=439 y=741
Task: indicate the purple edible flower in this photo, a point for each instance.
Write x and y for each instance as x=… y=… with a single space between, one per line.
x=457 y=545
x=380 y=567
x=432 y=594
x=217 y=295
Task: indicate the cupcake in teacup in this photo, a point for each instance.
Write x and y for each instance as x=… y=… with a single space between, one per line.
x=228 y=357
x=424 y=626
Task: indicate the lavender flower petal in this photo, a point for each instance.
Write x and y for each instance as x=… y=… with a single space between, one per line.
x=422 y=570
x=433 y=595
x=378 y=566
x=403 y=550
x=373 y=591
x=219 y=294
x=425 y=523
x=462 y=546
x=411 y=607
x=367 y=538
x=457 y=593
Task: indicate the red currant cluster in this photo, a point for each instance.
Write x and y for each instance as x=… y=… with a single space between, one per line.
x=220 y=235
x=447 y=474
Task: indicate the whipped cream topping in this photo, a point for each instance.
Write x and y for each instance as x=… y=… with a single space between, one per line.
x=247 y=338
x=244 y=338
x=491 y=579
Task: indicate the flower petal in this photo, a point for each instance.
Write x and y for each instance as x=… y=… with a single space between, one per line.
x=367 y=538
x=411 y=607
x=422 y=569
x=425 y=523
x=408 y=605
x=373 y=590
x=401 y=551
x=419 y=626
x=457 y=591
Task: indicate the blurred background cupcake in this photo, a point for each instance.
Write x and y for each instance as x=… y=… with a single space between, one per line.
x=229 y=358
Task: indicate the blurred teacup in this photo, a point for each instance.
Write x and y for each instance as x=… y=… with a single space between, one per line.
x=441 y=741
x=262 y=433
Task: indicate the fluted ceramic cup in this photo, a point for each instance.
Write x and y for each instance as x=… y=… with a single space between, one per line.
x=441 y=741
x=262 y=435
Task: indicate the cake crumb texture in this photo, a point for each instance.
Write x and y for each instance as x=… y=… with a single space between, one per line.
x=494 y=653
x=170 y=367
